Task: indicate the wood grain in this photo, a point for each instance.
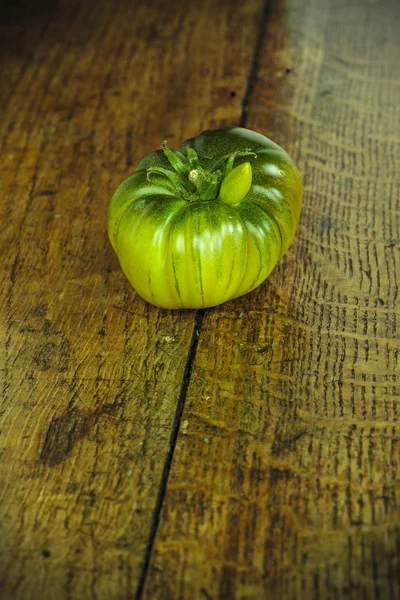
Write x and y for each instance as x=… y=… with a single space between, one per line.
x=285 y=477
x=91 y=374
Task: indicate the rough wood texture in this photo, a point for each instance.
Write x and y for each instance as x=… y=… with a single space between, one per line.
x=91 y=374
x=285 y=477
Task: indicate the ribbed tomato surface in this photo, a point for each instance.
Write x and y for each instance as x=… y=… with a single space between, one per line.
x=208 y=222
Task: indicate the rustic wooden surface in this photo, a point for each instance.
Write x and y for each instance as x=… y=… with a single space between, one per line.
x=285 y=476
x=92 y=374
x=245 y=452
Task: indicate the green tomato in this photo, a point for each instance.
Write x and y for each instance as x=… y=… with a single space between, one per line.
x=206 y=223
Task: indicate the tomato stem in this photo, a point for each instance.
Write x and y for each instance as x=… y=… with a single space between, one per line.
x=190 y=180
x=177 y=181
x=236 y=185
x=175 y=161
x=228 y=160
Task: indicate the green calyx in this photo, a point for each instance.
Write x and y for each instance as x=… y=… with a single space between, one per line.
x=195 y=184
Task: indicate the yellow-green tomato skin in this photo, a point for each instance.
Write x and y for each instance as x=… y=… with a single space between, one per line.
x=179 y=253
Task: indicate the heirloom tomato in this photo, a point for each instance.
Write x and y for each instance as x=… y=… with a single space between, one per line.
x=200 y=225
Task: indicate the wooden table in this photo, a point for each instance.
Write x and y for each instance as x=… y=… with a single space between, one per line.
x=249 y=451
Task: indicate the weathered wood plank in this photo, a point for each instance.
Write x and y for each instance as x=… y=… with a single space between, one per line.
x=285 y=477
x=92 y=374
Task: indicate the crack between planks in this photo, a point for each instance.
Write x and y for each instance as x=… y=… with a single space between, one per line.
x=251 y=81
x=255 y=64
x=170 y=454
